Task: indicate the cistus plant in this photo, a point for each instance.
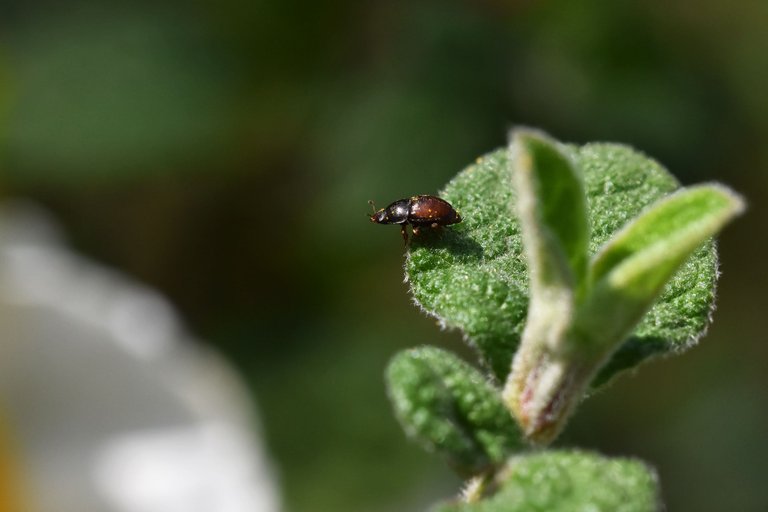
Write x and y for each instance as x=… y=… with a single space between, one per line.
x=572 y=264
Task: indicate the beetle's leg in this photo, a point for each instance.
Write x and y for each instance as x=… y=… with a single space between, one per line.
x=415 y=230
x=404 y=232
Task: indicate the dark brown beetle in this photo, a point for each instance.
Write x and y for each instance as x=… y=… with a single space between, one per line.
x=418 y=211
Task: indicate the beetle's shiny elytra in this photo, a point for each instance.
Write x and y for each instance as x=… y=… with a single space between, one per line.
x=418 y=211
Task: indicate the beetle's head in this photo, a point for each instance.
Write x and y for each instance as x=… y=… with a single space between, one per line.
x=380 y=216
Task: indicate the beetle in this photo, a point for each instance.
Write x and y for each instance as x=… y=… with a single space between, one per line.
x=418 y=211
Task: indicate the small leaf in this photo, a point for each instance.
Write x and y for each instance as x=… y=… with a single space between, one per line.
x=634 y=265
x=451 y=408
x=568 y=481
x=473 y=276
x=552 y=211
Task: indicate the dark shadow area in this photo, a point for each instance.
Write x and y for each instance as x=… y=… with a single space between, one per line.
x=459 y=244
x=630 y=354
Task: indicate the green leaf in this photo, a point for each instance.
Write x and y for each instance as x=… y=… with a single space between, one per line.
x=634 y=265
x=473 y=276
x=451 y=408
x=553 y=214
x=568 y=481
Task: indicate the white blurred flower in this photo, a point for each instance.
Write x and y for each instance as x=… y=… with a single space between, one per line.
x=113 y=407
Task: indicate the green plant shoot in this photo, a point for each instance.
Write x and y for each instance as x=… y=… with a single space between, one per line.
x=571 y=265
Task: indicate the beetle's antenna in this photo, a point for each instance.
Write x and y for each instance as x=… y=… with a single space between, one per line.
x=370 y=202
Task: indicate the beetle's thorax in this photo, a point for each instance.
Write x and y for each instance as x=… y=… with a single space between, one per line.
x=395 y=213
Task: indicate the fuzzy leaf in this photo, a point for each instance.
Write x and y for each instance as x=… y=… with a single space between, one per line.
x=554 y=218
x=451 y=408
x=552 y=214
x=568 y=481
x=630 y=270
x=473 y=276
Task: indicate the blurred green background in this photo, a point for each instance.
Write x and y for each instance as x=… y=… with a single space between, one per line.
x=224 y=152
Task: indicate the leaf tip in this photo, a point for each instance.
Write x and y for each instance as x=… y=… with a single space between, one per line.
x=736 y=202
x=519 y=134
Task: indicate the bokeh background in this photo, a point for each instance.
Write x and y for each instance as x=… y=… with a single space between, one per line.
x=223 y=153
